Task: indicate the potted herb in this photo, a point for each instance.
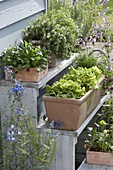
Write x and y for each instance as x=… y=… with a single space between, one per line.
x=71 y=99
x=100 y=138
x=29 y=63
x=55 y=31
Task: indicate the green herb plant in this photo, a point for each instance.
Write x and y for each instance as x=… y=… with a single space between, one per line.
x=56 y=31
x=84 y=60
x=84 y=13
x=24 y=55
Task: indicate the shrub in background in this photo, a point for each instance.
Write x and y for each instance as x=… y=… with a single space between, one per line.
x=56 y=31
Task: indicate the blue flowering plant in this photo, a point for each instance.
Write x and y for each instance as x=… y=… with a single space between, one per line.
x=23 y=147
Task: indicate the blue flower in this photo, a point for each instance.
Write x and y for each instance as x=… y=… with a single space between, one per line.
x=58 y=124
x=11 y=133
x=18 y=89
x=107 y=22
x=104 y=12
x=51 y=125
x=108 y=42
x=74 y=2
x=40 y=166
x=8 y=137
x=19 y=111
x=104 y=2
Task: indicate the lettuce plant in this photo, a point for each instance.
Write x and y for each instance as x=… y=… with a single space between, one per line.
x=75 y=83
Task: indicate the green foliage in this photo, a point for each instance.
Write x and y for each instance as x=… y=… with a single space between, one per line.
x=57 y=4
x=65 y=89
x=83 y=60
x=75 y=83
x=24 y=55
x=101 y=140
x=107 y=31
x=85 y=13
x=56 y=31
x=100 y=137
x=110 y=5
x=95 y=59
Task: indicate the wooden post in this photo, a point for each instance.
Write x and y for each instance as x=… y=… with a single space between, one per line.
x=65 y=153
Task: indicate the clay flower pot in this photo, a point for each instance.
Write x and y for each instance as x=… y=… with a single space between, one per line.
x=29 y=75
x=72 y=112
x=101 y=158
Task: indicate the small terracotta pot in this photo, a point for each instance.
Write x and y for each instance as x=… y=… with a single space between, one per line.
x=29 y=75
x=99 y=158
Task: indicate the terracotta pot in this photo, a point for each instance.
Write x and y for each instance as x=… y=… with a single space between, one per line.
x=101 y=158
x=29 y=75
x=72 y=112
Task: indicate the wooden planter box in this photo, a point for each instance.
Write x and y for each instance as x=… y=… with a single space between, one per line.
x=99 y=158
x=72 y=112
x=29 y=75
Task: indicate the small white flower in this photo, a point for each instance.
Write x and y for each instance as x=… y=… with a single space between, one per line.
x=12 y=126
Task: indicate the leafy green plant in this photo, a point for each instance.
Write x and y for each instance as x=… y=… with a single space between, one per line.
x=24 y=55
x=107 y=31
x=24 y=148
x=55 y=31
x=101 y=140
x=57 y=4
x=100 y=137
x=83 y=60
x=75 y=83
x=85 y=13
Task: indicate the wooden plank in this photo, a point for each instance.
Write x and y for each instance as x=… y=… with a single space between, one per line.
x=65 y=154
x=13 y=11
x=11 y=34
x=85 y=166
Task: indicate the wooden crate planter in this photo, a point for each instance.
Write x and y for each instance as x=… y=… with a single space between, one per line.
x=72 y=112
x=29 y=75
x=99 y=158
